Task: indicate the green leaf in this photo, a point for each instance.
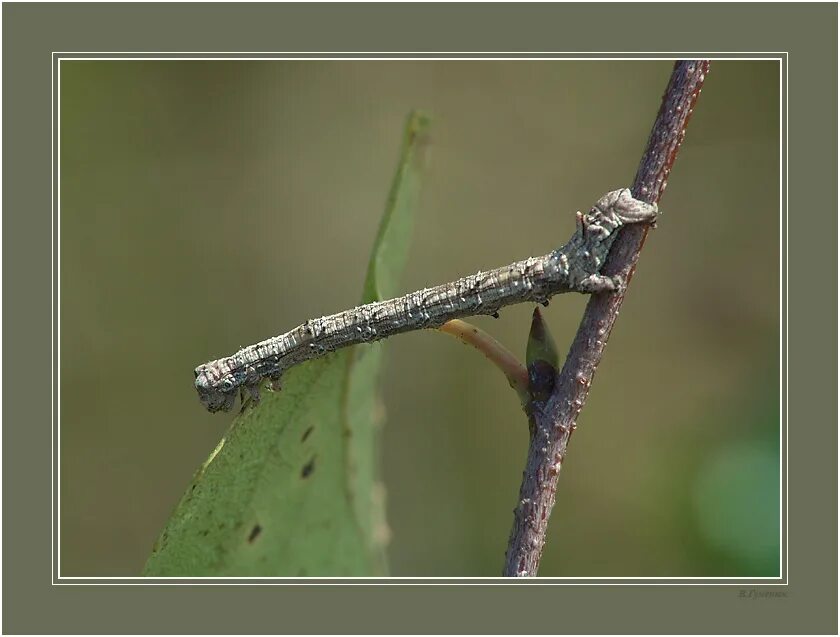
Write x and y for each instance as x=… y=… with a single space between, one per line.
x=390 y=251
x=293 y=488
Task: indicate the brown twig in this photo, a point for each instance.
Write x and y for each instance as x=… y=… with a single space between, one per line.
x=553 y=419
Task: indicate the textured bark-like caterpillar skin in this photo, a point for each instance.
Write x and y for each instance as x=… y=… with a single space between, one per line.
x=575 y=267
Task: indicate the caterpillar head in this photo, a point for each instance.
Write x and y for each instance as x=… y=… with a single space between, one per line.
x=215 y=391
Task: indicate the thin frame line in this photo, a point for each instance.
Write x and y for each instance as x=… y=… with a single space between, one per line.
x=783 y=311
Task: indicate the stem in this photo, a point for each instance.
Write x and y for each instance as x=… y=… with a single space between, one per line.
x=553 y=420
x=497 y=353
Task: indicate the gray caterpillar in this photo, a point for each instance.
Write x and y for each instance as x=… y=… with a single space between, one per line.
x=575 y=267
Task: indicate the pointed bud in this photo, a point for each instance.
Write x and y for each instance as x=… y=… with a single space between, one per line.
x=541 y=359
x=541 y=345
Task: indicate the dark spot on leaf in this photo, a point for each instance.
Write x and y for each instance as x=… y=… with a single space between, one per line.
x=308 y=468
x=254 y=533
x=306 y=434
x=205 y=532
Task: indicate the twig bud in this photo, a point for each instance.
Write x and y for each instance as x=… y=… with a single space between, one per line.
x=541 y=359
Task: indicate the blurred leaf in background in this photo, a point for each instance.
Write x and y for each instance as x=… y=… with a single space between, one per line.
x=294 y=489
x=736 y=489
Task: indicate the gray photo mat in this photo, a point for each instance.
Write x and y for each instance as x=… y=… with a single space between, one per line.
x=805 y=603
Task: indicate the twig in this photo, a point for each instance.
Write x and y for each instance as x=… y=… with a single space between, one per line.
x=496 y=353
x=554 y=420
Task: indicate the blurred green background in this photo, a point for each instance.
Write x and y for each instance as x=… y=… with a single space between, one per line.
x=206 y=205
